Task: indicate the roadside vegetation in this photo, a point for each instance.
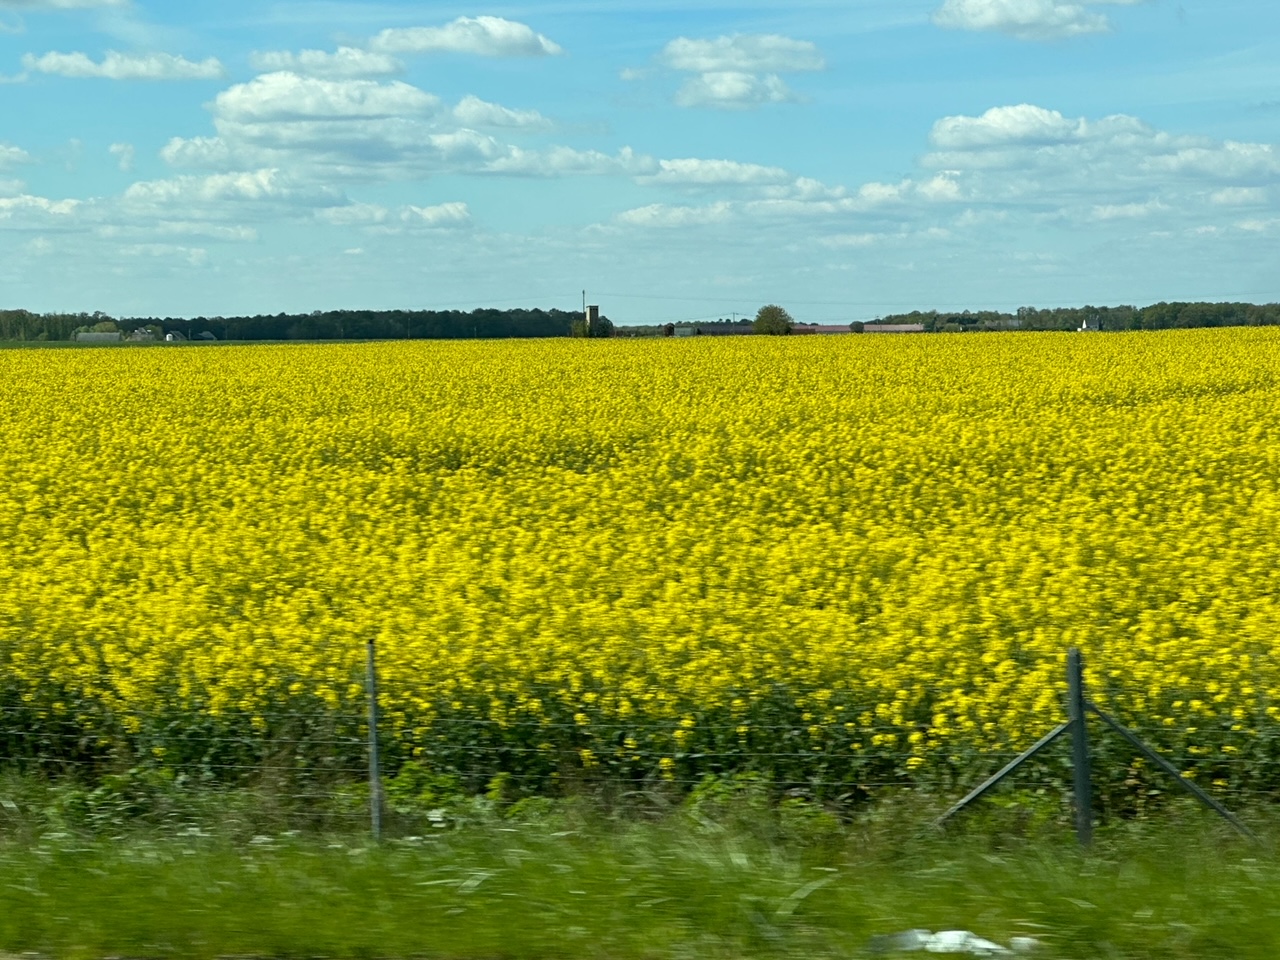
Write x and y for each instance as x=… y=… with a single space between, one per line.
x=721 y=874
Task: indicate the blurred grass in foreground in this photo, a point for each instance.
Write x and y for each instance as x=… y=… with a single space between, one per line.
x=723 y=878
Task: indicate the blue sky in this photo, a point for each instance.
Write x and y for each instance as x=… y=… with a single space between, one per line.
x=678 y=159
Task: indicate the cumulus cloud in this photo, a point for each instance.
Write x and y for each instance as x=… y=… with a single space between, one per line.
x=354 y=214
x=124 y=154
x=375 y=218
x=1027 y=19
x=191 y=256
x=1028 y=138
x=120 y=66
x=471 y=111
x=703 y=173
x=740 y=71
x=566 y=161
x=1240 y=196
x=733 y=90
x=255 y=186
x=11 y=156
x=1114 y=168
x=743 y=53
x=276 y=97
x=198 y=153
x=27 y=212
x=808 y=199
x=343 y=63
x=662 y=215
x=178 y=228
x=481 y=36
x=442 y=215
x=1024 y=123
x=1127 y=211
x=1012 y=164
x=369 y=130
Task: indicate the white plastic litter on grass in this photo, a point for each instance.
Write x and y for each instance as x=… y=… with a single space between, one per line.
x=953 y=942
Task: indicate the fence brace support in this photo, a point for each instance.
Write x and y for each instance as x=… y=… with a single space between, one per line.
x=1191 y=788
x=991 y=783
x=375 y=778
x=1078 y=707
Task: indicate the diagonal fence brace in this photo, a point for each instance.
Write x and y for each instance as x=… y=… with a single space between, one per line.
x=1193 y=789
x=994 y=781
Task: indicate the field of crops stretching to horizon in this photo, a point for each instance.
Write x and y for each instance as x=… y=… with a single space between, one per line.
x=846 y=560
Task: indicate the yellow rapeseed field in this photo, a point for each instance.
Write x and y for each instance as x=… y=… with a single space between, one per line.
x=858 y=558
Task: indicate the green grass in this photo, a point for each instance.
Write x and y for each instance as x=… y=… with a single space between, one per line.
x=570 y=881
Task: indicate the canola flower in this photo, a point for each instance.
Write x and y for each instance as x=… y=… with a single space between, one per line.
x=851 y=559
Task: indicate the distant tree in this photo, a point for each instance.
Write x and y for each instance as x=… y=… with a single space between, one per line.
x=772 y=320
x=857 y=327
x=602 y=328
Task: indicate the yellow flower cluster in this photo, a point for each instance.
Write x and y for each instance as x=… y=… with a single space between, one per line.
x=662 y=556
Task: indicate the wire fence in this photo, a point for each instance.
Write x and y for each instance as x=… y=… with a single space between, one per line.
x=343 y=764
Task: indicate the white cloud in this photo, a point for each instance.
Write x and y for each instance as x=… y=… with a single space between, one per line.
x=846 y=240
x=1258 y=226
x=1014 y=165
x=27 y=212
x=1024 y=19
x=198 y=153
x=1023 y=123
x=219 y=189
x=742 y=53
x=1240 y=196
x=733 y=90
x=704 y=173
x=354 y=214
x=442 y=215
x=663 y=216
x=368 y=130
x=124 y=154
x=474 y=112
x=191 y=256
x=1033 y=159
x=941 y=189
x=178 y=228
x=276 y=97
x=379 y=219
x=27 y=202
x=343 y=63
x=11 y=156
x=1029 y=139
x=1128 y=211
x=1227 y=160
x=738 y=72
x=565 y=161
x=120 y=66
x=482 y=36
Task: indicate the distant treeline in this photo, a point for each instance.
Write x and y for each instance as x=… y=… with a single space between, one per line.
x=320 y=325
x=1159 y=316
x=495 y=324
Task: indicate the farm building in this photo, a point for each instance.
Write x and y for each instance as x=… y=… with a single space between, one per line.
x=893 y=328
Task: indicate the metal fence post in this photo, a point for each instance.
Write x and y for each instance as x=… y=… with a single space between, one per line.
x=1079 y=747
x=375 y=779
